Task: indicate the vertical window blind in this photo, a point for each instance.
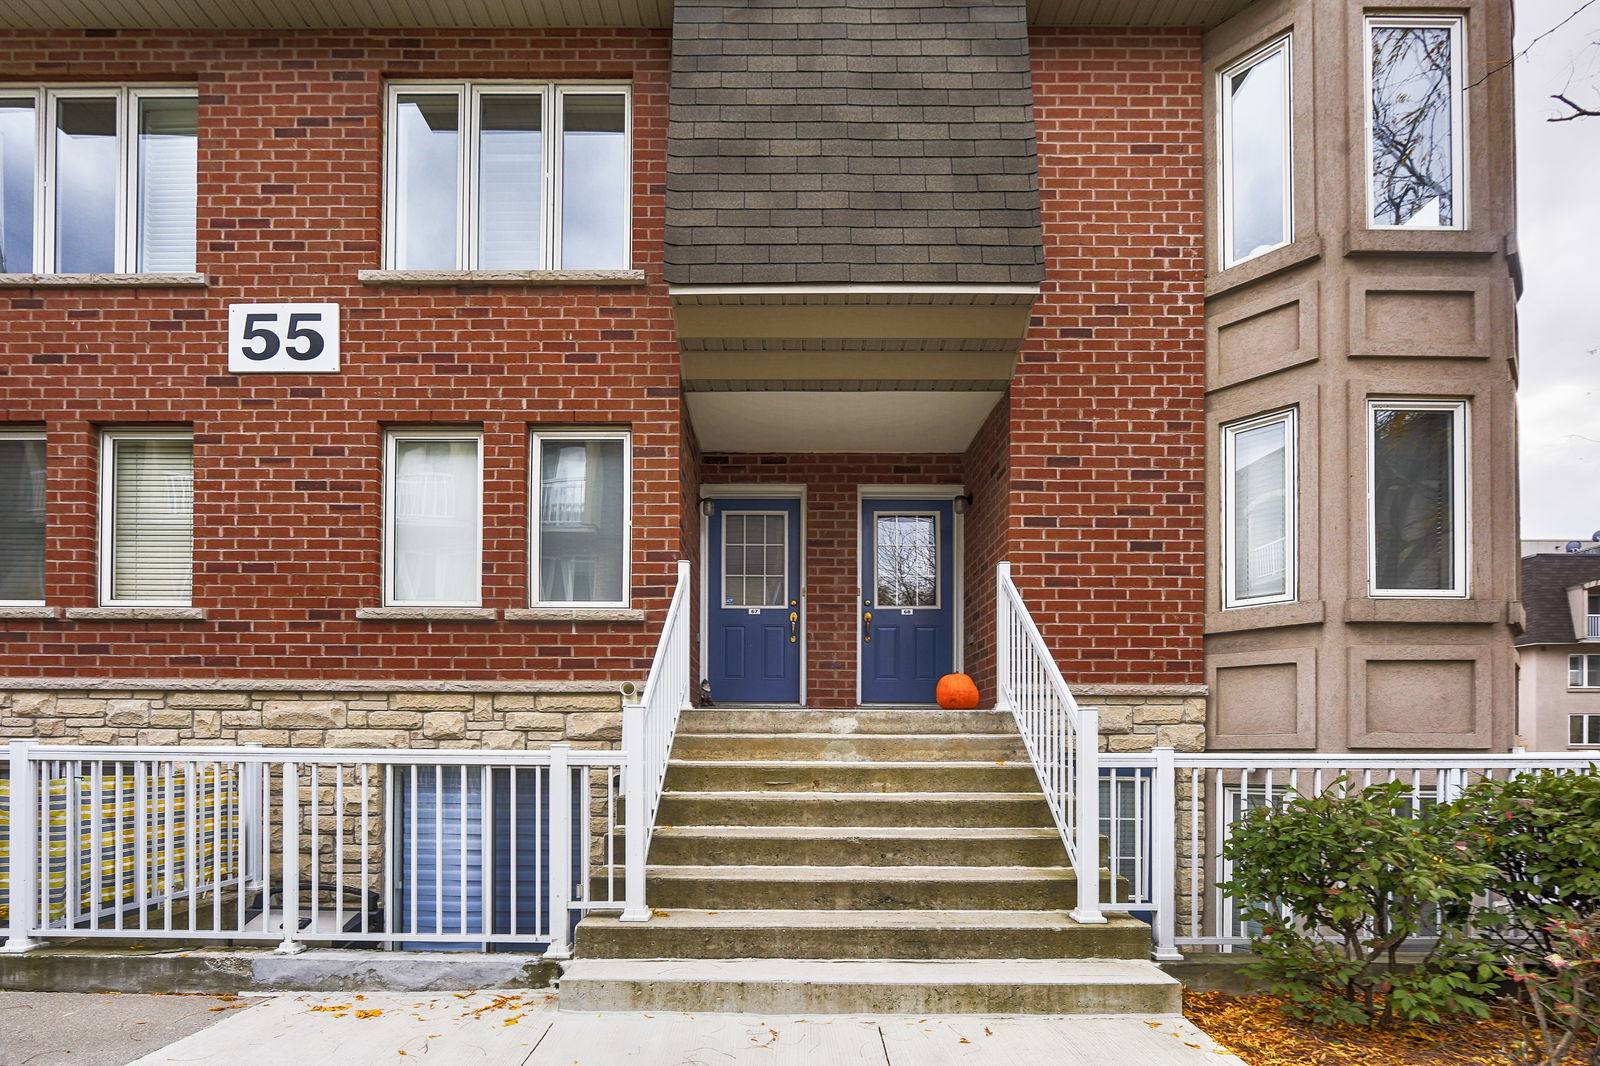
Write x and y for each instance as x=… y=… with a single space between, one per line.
x=151 y=537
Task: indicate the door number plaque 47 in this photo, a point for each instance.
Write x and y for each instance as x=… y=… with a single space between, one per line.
x=283 y=338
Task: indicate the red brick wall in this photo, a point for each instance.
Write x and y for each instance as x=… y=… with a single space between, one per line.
x=1107 y=509
x=833 y=534
x=288 y=470
x=986 y=473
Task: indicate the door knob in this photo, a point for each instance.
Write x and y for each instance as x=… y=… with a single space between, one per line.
x=794 y=626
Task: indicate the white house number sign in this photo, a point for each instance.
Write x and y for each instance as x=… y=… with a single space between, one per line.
x=283 y=338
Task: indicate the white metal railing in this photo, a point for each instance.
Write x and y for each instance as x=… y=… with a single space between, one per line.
x=648 y=728
x=1063 y=739
x=352 y=847
x=1167 y=816
x=1594 y=625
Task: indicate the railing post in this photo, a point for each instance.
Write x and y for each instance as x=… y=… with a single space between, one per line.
x=1002 y=637
x=561 y=840
x=23 y=840
x=289 y=863
x=1163 y=825
x=636 y=807
x=1088 y=827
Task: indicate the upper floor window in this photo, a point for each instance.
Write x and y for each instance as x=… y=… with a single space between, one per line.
x=434 y=508
x=581 y=530
x=147 y=518
x=508 y=176
x=1257 y=140
x=1416 y=497
x=1414 y=122
x=22 y=518
x=1258 y=500
x=1583 y=671
x=97 y=180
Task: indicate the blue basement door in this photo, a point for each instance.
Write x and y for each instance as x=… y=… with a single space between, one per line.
x=753 y=615
x=907 y=599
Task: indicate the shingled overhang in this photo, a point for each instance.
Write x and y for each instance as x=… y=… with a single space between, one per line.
x=1554 y=595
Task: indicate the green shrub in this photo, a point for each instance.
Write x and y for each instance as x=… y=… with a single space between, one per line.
x=1368 y=873
x=1557 y=1001
x=1539 y=834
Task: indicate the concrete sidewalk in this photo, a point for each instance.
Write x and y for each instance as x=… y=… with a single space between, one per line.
x=525 y=1029
x=100 y=1028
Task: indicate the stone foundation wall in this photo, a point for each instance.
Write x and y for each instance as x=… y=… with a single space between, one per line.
x=1143 y=722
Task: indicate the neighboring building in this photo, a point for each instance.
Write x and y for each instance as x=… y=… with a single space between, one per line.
x=1144 y=298
x=1558 y=703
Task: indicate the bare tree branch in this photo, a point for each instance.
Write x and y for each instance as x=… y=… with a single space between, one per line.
x=1577 y=110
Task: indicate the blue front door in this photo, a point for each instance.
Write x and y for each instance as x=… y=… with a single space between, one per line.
x=907 y=599
x=753 y=592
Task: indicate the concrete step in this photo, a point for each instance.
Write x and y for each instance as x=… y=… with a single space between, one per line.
x=862 y=887
x=853 y=747
x=684 y=775
x=769 y=721
x=1012 y=986
x=738 y=845
x=964 y=809
x=867 y=934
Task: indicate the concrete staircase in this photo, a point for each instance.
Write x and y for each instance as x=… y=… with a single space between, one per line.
x=859 y=861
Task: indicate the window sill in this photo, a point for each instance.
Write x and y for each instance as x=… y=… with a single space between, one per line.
x=576 y=614
x=425 y=614
x=1265 y=616
x=136 y=614
x=1421 y=242
x=1264 y=265
x=1429 y=610
x=103 y=281
x=501 y=277
x=20 y=613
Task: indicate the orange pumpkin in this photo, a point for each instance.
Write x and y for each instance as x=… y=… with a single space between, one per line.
x=956 y=692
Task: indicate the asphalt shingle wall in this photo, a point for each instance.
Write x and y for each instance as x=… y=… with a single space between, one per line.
x=869 y=141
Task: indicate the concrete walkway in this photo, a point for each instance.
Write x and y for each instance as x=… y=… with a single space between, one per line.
x=525 y=1029
x=100 y=1029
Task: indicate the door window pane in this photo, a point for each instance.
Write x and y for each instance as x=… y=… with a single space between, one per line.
x=152 y=520
x=427 y=142
x=1414 y=499
x=1413 y=124
x=906 y=560
x=755 y=559
x=582 y=520
x=1256 y=154
x=21 y=520
x=166 y=183
x=86 y=185
x=510 y=168
x=434 y=525
x=594 y=181
x=17 y=160
x=1260 y=512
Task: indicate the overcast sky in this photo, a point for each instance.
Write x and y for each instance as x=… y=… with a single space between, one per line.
x=1558 y=177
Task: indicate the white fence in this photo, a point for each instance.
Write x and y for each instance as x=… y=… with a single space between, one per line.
x=1062 y=738
x=1166 y=816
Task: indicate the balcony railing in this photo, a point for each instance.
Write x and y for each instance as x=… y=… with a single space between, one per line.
x=1593 y=630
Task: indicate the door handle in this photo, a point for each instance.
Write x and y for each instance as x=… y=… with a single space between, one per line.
x=866 y=619
x=794 y=626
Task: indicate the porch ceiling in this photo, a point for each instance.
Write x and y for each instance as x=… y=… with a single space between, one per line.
x=407 y=14
x=806 y=421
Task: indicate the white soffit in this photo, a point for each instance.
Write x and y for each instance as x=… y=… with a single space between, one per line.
x=838 y=421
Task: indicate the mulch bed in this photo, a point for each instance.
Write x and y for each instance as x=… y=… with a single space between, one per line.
x=1257 y=1030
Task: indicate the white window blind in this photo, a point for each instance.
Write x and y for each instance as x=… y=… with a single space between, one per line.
x=1259 y=507
x=167 y=161
x=434 y=520
x=22 y=519
x=151 y=537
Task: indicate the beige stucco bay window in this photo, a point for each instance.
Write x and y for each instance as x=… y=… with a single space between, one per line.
x=1415 y=129
x=1258 y=492
x=1417 y=498
x=1256 y=157
x=508 y=176
x=582 y=525
x=433 y=518
x=22 y=479
x=146 y=518
x=97 y=179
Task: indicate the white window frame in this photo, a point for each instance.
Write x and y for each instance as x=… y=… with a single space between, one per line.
x=1291 y=479
x=536 y=510
x=1225 y=167
x=1585 y=717
x=109 y=440
x=1456 y=24
x=1581 y=670
x=46 y=99
x=29 y=435
x=391 y=439
x=467 y=96
x=1461 y=511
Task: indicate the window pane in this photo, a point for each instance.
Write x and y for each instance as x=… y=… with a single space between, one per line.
x=86 y=185
x=427 y=145
x=582 y=494
x=754 y=568
x=1592 y=730
x=594 y=181
x=152 y=524
x=21 y=520
x=1594 y=670
x=510 y=165
x=1574 y=671
x=435 y=521
x=1413 y=499
x=1413 y=102
x=1260 y=512
x=906 y=560
x=17 y=154
x=1257 y=165
x=166 y=184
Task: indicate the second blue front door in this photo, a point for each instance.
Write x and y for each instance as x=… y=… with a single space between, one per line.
x=753 y=593
x=907 y=599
